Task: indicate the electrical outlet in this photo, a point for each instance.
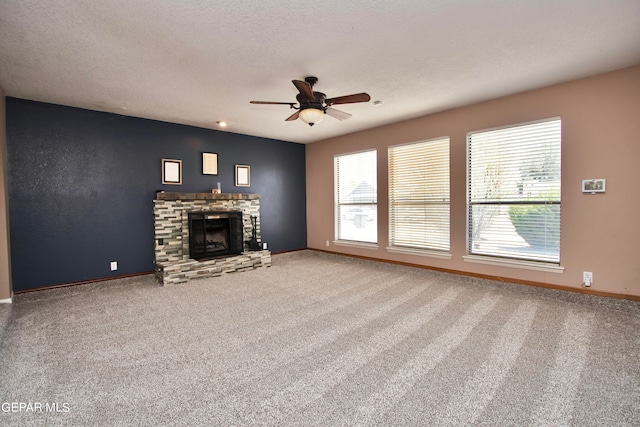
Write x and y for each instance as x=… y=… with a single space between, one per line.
x=587 y=278
x=114 y=265
x=327 y=243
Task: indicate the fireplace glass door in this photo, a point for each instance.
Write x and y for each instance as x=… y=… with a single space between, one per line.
x=215 y=233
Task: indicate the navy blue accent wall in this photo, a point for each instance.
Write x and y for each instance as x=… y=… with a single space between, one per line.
x=82 y=183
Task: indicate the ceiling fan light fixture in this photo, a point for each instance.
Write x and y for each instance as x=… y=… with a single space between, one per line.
x=312 y=106
x=311 y=116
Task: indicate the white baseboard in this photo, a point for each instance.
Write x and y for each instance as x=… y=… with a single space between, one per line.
x=5 y=301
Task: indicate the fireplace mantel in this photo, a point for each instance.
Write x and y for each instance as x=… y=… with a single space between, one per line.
x=163 y=195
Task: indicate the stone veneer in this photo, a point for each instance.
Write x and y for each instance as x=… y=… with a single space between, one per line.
x=171 y=235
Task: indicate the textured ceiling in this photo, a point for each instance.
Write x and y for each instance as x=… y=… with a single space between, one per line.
x=197 y=62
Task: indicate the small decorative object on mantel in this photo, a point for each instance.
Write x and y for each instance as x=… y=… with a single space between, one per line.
x=593 y=186
x=253 y=243
x=217 y=190
x=243 y=177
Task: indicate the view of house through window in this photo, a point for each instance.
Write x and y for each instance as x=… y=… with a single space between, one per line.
x=514 y=191
x=419 y=195
x=356 y=195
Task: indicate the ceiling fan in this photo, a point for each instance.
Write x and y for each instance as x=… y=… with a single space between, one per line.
x=312 y=106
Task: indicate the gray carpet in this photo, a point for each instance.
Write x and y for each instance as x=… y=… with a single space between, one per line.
x=319 y=339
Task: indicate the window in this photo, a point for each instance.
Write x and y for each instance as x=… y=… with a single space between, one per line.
x=419 y=195
x=356 y=195
x=514 y=191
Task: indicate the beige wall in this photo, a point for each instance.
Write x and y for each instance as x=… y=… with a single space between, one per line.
x=600 y=128
x=5 y=265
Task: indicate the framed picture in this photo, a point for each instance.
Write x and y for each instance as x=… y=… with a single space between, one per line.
x=210 y=163
x=172 y=171
x=593 y=186
x=243 y=176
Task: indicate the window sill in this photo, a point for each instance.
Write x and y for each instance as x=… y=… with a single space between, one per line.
x=514 y=263
x=420 y=252
x=354 y=244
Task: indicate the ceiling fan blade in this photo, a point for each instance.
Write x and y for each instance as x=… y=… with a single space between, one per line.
x=304 y=88
x=337 y=114
x=349 y=99
x=293 y=116
x=269 y=102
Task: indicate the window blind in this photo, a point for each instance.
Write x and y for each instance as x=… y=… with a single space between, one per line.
x=419 y=195
x=513 y=193
x=356 y=196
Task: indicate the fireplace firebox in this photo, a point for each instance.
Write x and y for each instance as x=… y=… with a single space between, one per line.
x=215 y=234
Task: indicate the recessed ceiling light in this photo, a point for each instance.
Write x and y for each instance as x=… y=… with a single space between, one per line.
x=222 y=123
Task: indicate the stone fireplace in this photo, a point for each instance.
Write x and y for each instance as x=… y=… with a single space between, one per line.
x=176 y=214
